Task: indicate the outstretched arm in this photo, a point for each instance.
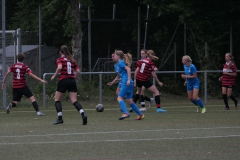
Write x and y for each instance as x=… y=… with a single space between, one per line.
x=5 y=77
x=37 y=78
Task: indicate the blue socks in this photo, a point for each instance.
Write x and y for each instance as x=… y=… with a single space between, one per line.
x=198 y=102
x=123 y=106
x=135 y=108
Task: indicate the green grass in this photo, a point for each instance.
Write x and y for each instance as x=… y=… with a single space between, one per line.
x=179 y=134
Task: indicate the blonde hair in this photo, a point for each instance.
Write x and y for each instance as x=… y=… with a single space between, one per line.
x=151 y=55
x=187 y=58
x=231 y=56
x=126 y=57
x=64 y=50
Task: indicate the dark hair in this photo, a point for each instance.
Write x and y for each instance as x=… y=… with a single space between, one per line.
x=64 y=50
x=21 y=57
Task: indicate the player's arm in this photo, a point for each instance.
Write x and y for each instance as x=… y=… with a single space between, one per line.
x=129 y=74
x=5 y=77
x=59 y=68
x=77 y=72
x=234 y=73
x=135 y=75
x=189 y=76
x=116 y=80
x=156 y=78
x=36 y=77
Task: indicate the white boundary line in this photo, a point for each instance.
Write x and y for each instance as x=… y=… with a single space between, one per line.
x=122 y=140
x=116 y=132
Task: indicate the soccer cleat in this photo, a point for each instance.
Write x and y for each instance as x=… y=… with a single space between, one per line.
x=59 y=121
x=124 y=116
x=203 y=110
x=84 y=120
x=140 y=117
x=152 y=102
x=8 y=108
x=143 y=109
x=130 y=110
x=40 y=114
x=160 y=110
x=236 y=104
x=198 y=108
x=120 y=110
x=226 y=108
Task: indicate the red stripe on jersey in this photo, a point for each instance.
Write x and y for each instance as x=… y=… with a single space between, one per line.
x=19 y=71
x=226 y=79
x=146 y=66
x=68 y=68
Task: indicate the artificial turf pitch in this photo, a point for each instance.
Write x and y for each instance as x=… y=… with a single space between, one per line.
x=179 y=134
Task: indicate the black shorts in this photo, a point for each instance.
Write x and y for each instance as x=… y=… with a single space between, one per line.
x=19 y=92
x=67 y=84
x=226 y=86
x=146 y=84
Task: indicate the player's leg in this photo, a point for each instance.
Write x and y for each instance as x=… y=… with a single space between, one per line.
x=198 y=100
x=61 y=89
x=229 y=94
x=28 y=93
x=155 y=91
x=225 y=99
x=122 y=104
x=72 y=91
x=15 y=99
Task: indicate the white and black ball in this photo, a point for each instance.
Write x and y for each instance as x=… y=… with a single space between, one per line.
x=99 y=108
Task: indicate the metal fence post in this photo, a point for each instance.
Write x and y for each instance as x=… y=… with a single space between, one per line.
x=100 y=88
x=44 y=92
x=205 y=87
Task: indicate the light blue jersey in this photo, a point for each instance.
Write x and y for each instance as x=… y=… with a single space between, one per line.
x=191 y=82
x=125 y=90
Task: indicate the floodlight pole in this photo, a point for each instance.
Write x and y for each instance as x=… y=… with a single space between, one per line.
x=40 y=42
x=185 y=38
x=139 y=33
x=4 y=49
x=89 y=41
x=231 y=39
x=146 y=29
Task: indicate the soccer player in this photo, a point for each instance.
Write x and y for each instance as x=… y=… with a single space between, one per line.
x=125 y=60
x=142 y=78
x=142 y=94
x=19 y=86
x=192 y=82
x=66 y=66
x=228 y=80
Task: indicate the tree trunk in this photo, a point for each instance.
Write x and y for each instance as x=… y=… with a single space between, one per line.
x=77 y=37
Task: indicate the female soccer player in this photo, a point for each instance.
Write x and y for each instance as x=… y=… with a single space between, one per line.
x=126 y=91
x=228 y=80
x=67 y=82
x=19 y=86
x=142 y=94
x=192 y=82
x=142 y=77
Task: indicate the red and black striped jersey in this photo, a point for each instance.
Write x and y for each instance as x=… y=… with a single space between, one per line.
x=19 y=74
x=226 y=79
x=68 y=67
x=146 y=67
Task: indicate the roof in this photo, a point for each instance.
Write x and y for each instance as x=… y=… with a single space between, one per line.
x=10 y=50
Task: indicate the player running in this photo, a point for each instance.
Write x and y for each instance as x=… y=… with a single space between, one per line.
x=19 y=84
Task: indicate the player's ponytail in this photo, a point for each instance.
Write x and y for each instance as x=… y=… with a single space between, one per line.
x=128 y=59
x=150 y=54
x=64 y=50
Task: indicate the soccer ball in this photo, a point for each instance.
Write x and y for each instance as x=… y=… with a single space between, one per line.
x=99 y=108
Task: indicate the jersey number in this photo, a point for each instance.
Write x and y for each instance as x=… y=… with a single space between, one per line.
x=18 y=73
x=69 y=68
x=142 y=67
